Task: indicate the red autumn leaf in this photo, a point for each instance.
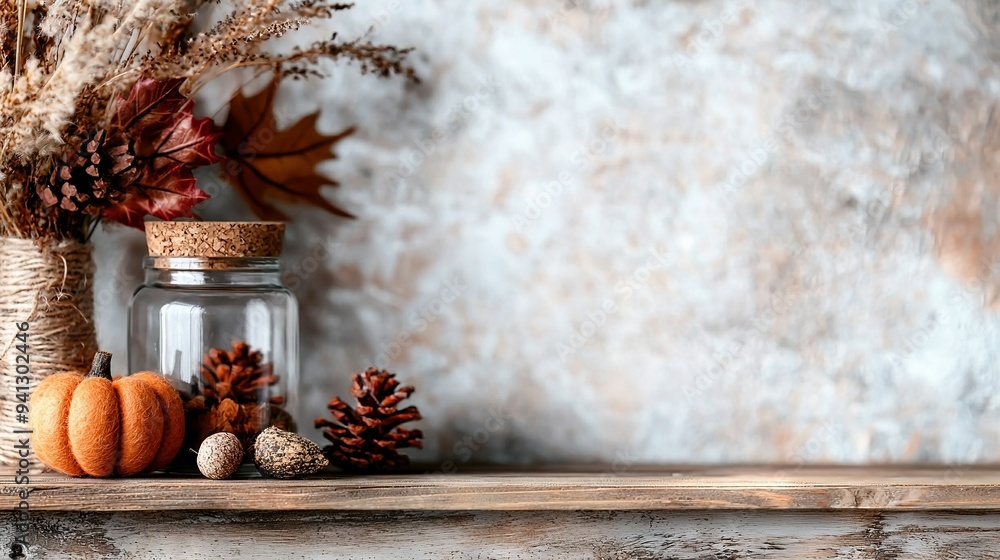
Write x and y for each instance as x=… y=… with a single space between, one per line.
x=166 y=194
x=189 y=141
x=168 y=143
x=268 y=163
x=160 y=121
x=150 y=104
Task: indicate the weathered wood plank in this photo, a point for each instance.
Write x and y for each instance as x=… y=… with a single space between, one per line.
x=719 y=535
x=637 y=490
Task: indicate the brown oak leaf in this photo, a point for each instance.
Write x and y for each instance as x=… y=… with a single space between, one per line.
x=267 y=163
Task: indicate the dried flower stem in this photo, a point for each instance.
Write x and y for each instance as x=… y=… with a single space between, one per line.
x=22 y=14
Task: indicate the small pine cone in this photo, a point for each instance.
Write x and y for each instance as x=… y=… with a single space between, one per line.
x=244 y=421
x=239 y=375
x=366 y=438
x=93 y=177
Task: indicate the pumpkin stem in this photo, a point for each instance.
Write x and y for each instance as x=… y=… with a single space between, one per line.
x=101 y=366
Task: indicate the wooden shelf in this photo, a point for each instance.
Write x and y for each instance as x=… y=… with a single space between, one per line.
x=686 y=513
x=638 y=489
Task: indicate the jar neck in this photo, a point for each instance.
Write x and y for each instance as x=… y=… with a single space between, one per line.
x=212 y=272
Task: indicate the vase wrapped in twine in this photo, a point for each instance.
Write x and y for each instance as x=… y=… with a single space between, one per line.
x=49 y=286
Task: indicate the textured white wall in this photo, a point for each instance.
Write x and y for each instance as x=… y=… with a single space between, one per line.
x=784 y=205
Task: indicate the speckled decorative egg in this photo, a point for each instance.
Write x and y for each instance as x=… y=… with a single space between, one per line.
x=220 y=455
x=282 y=454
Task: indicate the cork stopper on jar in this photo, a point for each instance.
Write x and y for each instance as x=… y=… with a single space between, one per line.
x=214 y=239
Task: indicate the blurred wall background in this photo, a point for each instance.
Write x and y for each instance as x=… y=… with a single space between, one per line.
x=652 y=231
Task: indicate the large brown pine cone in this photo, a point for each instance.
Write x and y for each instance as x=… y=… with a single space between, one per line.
x=92 y=178
x=366 y=438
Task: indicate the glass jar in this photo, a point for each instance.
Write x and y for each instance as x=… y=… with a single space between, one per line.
x=213 y=317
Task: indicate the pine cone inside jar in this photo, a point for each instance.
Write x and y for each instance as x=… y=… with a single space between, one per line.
x=93 y=177
x=233 y=397
x=367 y=437
x=239 y=375
x=205 y=418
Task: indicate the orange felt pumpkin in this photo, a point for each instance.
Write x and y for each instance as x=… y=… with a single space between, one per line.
x=91 y=425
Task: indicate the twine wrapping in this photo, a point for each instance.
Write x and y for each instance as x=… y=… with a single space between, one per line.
x=49 y=286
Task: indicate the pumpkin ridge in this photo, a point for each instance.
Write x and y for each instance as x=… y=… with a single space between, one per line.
x=173 y=419
x=50 y=430
x=94 y=426
x=141 y=425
